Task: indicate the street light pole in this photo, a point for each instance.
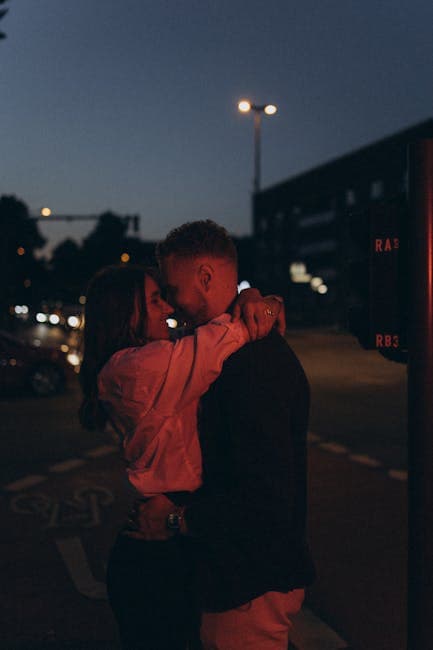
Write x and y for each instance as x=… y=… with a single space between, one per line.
x=245 y=106
x=257 y=133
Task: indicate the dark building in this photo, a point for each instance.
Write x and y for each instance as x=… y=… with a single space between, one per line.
x=301 y=225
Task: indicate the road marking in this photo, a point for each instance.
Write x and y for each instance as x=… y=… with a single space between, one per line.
x=334 y=447
x=66 y=465
x=311 y=633
x=83 y=509
x=74 y=556
x=365 y=460
x=23 y=483
x=104 y=450
x=399 y=474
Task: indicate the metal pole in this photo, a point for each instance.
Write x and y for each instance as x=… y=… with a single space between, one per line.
x=420 y=397
x=257 y=123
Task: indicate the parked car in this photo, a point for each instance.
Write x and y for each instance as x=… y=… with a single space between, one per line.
x=24 y=366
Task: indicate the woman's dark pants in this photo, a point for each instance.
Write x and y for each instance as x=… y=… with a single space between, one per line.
x=151 y=591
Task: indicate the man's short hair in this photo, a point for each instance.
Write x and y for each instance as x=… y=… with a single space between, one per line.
x=197 y=238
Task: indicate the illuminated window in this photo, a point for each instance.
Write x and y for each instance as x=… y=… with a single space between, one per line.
x=376 y=190
x=350 y=197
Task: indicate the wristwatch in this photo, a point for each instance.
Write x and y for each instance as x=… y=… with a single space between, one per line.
x=175 y=520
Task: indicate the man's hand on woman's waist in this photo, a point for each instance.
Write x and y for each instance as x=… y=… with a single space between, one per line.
x=156 y=519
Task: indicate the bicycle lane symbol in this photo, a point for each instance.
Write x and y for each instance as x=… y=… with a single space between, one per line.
x=83 y=510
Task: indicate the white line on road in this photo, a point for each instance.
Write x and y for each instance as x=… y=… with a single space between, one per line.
x=311 y=633
x=104 y=450
x=26 y=482
x=66 y=465
x=365 y=460
x=399 y=474
x=74 y=556
x=334 y=447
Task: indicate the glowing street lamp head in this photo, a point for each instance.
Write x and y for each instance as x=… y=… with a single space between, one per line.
x=45 y=212
x=270 y=109
x=244 y=106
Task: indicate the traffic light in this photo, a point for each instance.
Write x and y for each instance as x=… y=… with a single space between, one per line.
x=377 y=276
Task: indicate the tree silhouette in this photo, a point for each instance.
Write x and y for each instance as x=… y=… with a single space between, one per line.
x=105 y=243
x=3 y=13
x=67 y=272
x=19 y=238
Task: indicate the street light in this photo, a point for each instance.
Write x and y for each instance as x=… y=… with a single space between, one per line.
x=245 y=106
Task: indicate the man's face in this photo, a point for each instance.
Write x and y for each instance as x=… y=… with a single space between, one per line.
x=183 y=287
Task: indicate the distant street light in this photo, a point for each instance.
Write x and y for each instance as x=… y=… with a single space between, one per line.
x=45 y=212
x=245 y=106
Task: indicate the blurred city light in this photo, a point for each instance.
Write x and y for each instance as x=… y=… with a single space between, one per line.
x=27 y=283
x=64 y=347
x=73 y=359
x=41 y=318
x=322 y=289
x=54 y=319
x=243 y=285
x=73 y=321
x=21 y=251
x=171 y=322
x=45 y=212
x=125 y=257
x=36 y=343
x=298 y=273
x=315 y=283
x=244 y=106
x=302 y=279
x=270 y=109
x=298 y=268
x=82 y=300
x=21 y=309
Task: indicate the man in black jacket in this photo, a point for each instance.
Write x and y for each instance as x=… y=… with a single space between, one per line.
x=249 y=517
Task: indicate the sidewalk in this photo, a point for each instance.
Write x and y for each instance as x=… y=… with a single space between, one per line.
x=57 y=535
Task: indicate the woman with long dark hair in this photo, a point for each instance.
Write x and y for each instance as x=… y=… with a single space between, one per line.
x=148 y=388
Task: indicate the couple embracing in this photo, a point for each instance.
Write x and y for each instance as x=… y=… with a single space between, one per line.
x=213 y=429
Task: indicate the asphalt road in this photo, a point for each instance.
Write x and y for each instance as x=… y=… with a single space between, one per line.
x=358 y=398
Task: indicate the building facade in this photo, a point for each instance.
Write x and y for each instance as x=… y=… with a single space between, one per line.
x=302 y=226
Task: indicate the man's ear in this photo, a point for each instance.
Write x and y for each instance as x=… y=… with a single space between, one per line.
x=205 y=273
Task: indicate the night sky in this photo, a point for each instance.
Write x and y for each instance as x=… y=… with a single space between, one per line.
x=131 y=106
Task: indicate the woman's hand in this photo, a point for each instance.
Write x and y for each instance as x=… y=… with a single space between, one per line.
x=259 y=314
x=148 y=519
